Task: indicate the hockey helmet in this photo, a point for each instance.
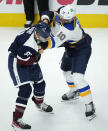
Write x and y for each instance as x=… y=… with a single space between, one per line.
x=67 y=12
x=43 y=29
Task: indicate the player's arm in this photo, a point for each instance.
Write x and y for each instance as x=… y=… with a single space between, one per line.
x=47 y=16
x=27 y=56
x=55 y=41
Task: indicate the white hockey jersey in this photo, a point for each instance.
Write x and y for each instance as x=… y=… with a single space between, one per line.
x=69 y=32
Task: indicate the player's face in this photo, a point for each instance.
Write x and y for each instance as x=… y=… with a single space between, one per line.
x=65 y=21
x=43 y=39
x=37 y=36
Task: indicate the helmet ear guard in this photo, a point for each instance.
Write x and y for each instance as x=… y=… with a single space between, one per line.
x=43 y=29
x=67 y=12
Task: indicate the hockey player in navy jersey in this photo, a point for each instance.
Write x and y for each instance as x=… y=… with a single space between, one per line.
x=24 y=54
x=67 y=32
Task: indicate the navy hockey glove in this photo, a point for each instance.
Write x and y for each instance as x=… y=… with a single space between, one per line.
x=37 y=57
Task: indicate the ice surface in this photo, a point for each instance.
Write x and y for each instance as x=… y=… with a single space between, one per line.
x=68 y=116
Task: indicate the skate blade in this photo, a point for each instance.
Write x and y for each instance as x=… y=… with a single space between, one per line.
x=45 y=112
x=19 y=129
x=70 y=100
x=40 y=110
x=91 y=117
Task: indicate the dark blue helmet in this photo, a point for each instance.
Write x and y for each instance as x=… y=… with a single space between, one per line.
x=43 y=29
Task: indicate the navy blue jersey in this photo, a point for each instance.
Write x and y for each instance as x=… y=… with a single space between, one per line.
x=25 y=47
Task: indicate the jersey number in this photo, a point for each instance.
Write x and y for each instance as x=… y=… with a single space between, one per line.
x=61 y=36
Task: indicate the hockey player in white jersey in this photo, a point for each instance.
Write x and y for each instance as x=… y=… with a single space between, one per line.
x=67 y=32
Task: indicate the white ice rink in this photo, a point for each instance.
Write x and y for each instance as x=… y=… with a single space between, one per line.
x=68 y=116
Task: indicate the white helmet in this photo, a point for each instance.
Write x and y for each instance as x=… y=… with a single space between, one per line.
x=68 y=12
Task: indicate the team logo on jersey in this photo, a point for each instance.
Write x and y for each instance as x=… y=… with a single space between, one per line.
x=27 y=53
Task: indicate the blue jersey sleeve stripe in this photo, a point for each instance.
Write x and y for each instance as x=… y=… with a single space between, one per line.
x=53 y=42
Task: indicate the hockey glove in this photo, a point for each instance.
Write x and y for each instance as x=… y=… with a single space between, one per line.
x=37 y=57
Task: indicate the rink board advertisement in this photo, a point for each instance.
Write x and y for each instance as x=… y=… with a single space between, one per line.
x=91 y=13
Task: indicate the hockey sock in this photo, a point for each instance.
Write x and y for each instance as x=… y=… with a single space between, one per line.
x=85 y=94
x=72 y=86
x=38 y=100
x=19 y=111
x=69 y=80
